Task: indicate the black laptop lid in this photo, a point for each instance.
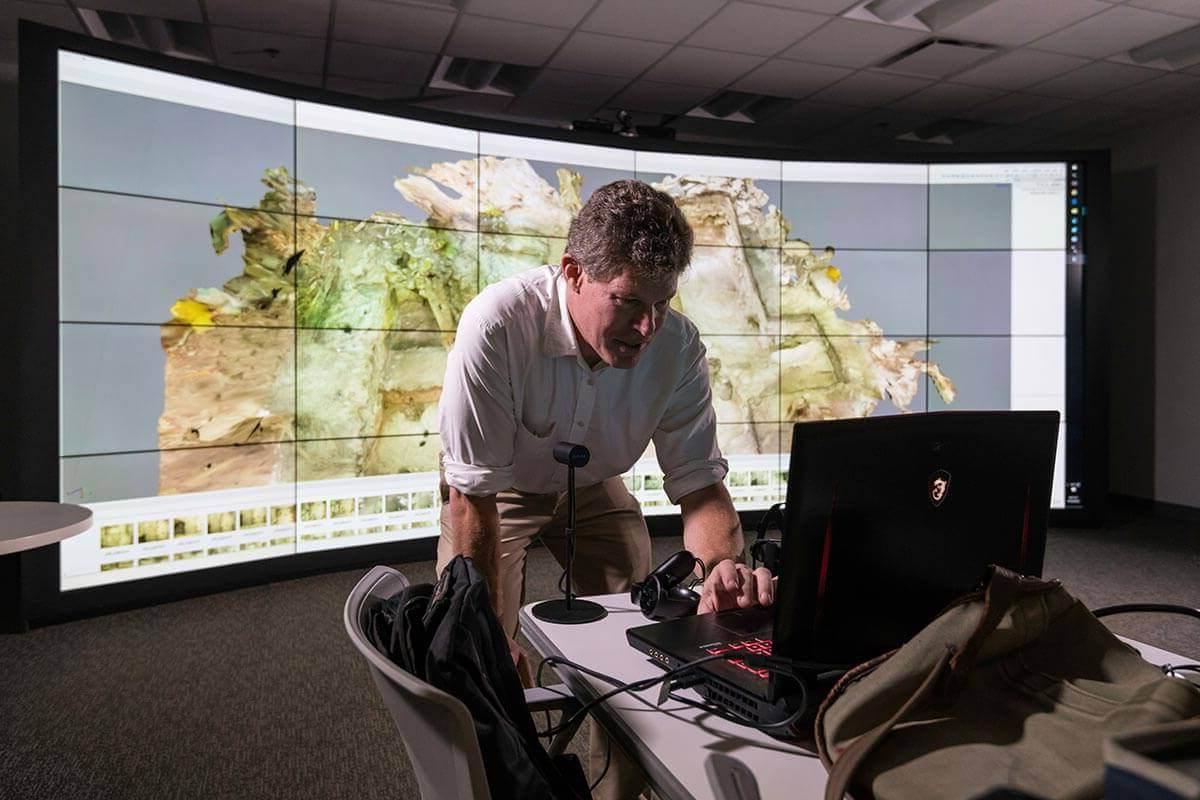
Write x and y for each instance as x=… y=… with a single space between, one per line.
x=891 y=518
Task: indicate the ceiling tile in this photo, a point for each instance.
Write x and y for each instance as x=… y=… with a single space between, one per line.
x=758 y=30
x=695 y=66
x=1019 y=69
x=550 y=110
x=287 y=76
x=660 y=20
x=1094 y=80
x=1016 y=22
x=1000 y=137
x=1113 y=31
x=783 y=78
x=1184 y=8
x=807 y=112
x=468 y=103
x=500 y=40
x=819 y=6
x=390 y=25
x=365 y=62
x=1078 y=116
x=241 y=49
x=565 y=87
x=373 y=89
x=608 y=55
x=296 y=17
x=55 y=16
x=870 y=89
x=555 y=13
x=660 y=98
x=1014 y=108
x=1159 y=92
x=886 y=123
x=946 y=98
x=183 y=10
x=846 y=43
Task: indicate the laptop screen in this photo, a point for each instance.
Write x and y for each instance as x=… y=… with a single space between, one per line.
x=889 y=519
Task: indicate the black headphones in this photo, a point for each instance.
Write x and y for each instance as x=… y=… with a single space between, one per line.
x=662 y=595
x=766 y=550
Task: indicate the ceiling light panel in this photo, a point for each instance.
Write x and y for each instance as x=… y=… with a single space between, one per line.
x=185 y=10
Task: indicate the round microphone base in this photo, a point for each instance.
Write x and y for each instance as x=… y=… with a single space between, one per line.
x=580 y=611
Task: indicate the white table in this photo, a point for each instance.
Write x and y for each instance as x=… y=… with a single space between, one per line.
x=672 y=742
x=28 y=525
x=25 y=525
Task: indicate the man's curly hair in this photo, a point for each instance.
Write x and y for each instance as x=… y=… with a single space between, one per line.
x=629 y=225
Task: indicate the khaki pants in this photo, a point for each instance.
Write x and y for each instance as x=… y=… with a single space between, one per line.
x=612 y=550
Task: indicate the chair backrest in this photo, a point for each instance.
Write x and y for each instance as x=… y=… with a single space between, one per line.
x=436 y=728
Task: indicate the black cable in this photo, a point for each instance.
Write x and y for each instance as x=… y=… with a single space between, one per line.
x=607 y=757
x=1131 y=608
x=646 y=683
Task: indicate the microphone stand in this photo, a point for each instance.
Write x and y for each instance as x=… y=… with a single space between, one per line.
x=570 y=610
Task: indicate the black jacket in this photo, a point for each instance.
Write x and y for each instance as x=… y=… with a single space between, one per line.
x=449 y=636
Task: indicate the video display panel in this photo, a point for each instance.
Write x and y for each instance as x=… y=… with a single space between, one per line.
x=259 y=294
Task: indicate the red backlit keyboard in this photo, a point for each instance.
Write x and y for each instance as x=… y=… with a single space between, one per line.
x=761 y=647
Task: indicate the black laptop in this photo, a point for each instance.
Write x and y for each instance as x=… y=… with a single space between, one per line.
x=888 y=519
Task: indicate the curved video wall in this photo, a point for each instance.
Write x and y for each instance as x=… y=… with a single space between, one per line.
x=258 y=294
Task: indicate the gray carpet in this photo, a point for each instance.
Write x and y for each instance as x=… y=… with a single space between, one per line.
x=257 y=693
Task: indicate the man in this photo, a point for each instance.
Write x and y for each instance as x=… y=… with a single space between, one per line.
x=588 y=351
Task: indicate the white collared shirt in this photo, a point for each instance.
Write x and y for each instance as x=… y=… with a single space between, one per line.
x=516 y=384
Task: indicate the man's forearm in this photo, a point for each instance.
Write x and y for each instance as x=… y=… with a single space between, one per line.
x=712 y=531
x=475 y=523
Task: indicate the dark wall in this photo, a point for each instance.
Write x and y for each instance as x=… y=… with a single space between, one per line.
x=1154 y=308
x=9 y=237
x=1131 y=368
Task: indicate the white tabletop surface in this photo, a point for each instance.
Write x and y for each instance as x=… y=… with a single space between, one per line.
x=673 y=741
x=25 y=525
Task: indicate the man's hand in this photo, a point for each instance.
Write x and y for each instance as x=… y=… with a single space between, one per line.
x=733 y=585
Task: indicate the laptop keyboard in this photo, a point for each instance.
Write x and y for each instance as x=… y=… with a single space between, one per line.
x=757 y=646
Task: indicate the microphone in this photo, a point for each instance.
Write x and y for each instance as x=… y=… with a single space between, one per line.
x=570 y=611
x=573 y=455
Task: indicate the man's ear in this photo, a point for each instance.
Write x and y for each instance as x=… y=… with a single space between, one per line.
x=573 y=272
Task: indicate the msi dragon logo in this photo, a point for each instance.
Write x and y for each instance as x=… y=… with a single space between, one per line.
x=939 y=487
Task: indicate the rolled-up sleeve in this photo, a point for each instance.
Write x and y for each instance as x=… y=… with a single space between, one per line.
x=475 y=413
x=686 y=439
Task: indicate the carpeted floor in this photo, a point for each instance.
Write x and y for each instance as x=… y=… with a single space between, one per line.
x=257 y=693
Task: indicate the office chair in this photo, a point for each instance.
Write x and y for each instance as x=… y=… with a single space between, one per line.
x=436 y=728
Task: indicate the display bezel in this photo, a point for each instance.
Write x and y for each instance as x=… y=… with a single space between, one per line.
x=33 y=466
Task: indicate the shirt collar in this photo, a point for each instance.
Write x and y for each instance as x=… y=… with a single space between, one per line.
x=558 y=336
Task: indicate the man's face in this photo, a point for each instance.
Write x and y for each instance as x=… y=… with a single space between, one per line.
x=615 y=320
